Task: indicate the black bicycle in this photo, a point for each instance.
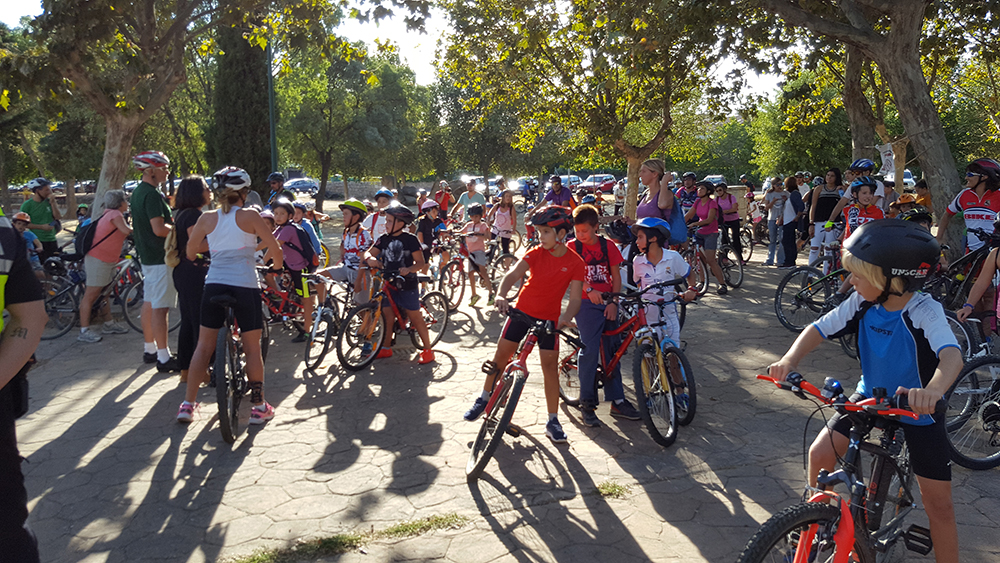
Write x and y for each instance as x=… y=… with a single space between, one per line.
x=229 y=370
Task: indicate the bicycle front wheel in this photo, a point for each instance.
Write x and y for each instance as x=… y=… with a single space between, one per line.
x=360 y=336
x=746 y=243
x=732 y=266
x=318 y=343
x=452 y=283
x=229 y=384
x=324 y=255
x=569 y=376
x=803 y=532
x=973 y=416
x=495 y=422
x=61 y=309
x=133 y=298
x=653 y=394
x=681 y=384
x=801 y=298
x=434 y=308
x=966 y=335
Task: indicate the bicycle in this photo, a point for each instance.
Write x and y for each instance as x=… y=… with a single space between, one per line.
x=695 y=258
x=229 y=371
x=664 y=381
x=452 y=277
x=867 y=525
x=951 y=285
x=805 y=294
x=973 y=417
x=506 y=393
x=327 y=319
x=360 y=336
x=746 y=248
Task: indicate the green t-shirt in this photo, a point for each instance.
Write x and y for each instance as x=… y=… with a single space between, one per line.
x=41 y=214
x=147 y=203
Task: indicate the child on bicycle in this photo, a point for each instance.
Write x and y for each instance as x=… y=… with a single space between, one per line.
x=602 y=274
x=354 y=241
x=429 y=225
x=905 y=346
x=288 y=237
x=476 y=234
x=551 y=268
x=504 y=220
x=399 y=252
x=21 y=220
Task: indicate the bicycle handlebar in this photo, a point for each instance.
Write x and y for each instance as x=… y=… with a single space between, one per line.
x=637 y=294
x=545 y=327
x=896 y=405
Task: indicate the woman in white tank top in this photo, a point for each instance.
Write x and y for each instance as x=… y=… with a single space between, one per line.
x=232 y=234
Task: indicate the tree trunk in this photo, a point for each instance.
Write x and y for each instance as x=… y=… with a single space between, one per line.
x=119 y=135
x=632 y=193
x=324 y=163
x=29 y=149
x=859 y=111
x=4 y=192
x=70 y=199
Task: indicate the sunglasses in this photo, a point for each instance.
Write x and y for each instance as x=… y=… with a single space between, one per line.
x=972 y=175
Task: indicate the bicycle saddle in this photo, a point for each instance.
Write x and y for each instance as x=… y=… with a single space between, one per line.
x=423 y=278
x=224 y=300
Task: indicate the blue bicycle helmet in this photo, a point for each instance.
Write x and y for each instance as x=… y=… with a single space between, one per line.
x=655 y=223
x=863 y=181
x=862 y=164
x=589 y=198
x=383 y=193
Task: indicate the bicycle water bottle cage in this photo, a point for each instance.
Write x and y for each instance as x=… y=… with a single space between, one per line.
x=490 y=368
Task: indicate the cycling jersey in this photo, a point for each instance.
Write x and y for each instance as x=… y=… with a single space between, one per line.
x=857 y=215
x=355 y=246
x=977 y=212
x=686 y=197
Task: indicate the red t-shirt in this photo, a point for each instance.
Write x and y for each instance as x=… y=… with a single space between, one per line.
x=442 y=198
x=548 y=278
x=598 y=267
x=857 y=215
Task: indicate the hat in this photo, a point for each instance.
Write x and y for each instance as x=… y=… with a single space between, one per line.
x=903 y=200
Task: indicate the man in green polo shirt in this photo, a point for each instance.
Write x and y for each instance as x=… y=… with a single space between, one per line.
x=151 y=221
x=44 y=215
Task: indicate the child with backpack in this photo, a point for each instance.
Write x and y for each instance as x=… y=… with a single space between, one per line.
x=602 y=260
x=299 y=259
x=476 y=234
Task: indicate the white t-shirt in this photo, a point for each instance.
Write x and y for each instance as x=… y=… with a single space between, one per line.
x=378 y=229
x=619 y=194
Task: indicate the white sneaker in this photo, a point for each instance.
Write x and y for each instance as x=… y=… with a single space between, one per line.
x=111 y=327
x=89 y=335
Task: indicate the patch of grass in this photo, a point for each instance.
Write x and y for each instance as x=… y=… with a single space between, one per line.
x=342 y=543
x=610 y=489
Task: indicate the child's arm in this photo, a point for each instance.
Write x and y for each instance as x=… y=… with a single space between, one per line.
x=418 y=264
x=984 y=281
x=807 y=341
x=37 y=244
x=371 y=257
x=573 y=307
x=516 y=273
x=922 y=401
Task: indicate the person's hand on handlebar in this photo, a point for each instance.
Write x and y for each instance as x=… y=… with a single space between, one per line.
x=564 y=321
x=922 y=401
x=689 y=295
x=374 y=263
x=501 y=304
x=779 y=370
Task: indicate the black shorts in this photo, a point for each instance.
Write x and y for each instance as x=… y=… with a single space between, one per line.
x=516 y=330
x=249 y=313
x=928 y=445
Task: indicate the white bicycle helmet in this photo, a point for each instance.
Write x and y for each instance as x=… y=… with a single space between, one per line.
x=150 y=159
x=38 y=183
x=231 y=178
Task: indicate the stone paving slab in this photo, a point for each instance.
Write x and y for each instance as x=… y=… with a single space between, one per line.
x=112 y=477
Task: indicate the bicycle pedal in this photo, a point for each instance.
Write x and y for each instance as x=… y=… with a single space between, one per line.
x=918 y=539
x=513 y=430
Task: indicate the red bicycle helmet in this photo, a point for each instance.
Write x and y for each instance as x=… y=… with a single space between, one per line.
x=150 y=159
x=987 y=167
x=554 y=216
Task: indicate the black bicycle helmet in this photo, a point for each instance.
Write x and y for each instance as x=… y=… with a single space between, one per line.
x=555 y=180
x=901 y=248
x=921 y=214
x=553 y=216
x=284 y=203
x=863 y=181
x=619 y=232
x=689 y=175
x=55 y=266
x=275 y=177
x=401 y=212
x=475 y=209
x=987 y=167
x=861 y=165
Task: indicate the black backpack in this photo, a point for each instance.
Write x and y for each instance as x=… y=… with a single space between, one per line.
x=84 y=240
x=307 y=251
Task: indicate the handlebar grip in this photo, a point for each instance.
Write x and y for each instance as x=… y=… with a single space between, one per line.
x=903 y=402
x=573 y=340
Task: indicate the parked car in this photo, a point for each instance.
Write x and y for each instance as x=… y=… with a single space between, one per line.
x=302 y=186
x=87 y=186
x=716 y=179
x=568 y=181
x=908 y=180
x=603 y=182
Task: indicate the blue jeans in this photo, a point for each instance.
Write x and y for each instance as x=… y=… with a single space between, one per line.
x=774 y=234
x=592 y=324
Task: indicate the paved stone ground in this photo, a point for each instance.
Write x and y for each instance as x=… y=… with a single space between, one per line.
x=113 y=478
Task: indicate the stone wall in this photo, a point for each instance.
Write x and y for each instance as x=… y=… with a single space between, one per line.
x=362 y=190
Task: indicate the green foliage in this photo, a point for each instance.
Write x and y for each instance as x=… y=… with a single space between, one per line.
x=73 y=146
x=808 y=147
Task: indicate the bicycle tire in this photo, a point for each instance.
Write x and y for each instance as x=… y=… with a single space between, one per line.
x=732 y=266
x=849 y=344
x=973 y=416
x=451 y=283
x=434 y=308
x=888 y=496
x=746 y=244
x=351 y=350
x=498 y=268
x=132 y=300
x=62 y=309
x=699 y=269
x=801 y=298
x=265 y=332
x=787 y=526
x=656 y=405
x=318 y=343
x=966 y=335
x=685 y=406
x=515 y=241
x=324 y=255
x=228 y=387
x=492 y=430
x=569 y=375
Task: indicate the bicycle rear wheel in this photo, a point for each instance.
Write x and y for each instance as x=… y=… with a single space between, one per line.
x=229 y=384
x=515 y=241
x=965 y=333
x=318 y=343
x=681 y=384
x=810 y=524
x=801 y=298
x=452 y=283
x=360 y=336
x=655 y=402
x=132 y=300
x=732 y=266
x=61 y=309
x=699 y=269
x=434 y=308
x=746 y=243
x=324 y=255
x=973 y=416
x=495 y=422
x=569 y=376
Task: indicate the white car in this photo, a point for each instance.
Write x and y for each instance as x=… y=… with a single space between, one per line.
x=908 y=180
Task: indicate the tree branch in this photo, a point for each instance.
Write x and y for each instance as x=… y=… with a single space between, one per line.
x=794 y=15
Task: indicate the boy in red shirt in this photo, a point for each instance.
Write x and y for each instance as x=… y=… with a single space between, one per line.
x=551 y=268
x=603 y=273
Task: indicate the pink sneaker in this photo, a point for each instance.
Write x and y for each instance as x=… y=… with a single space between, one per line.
x=186 y=412
x=260 y=414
